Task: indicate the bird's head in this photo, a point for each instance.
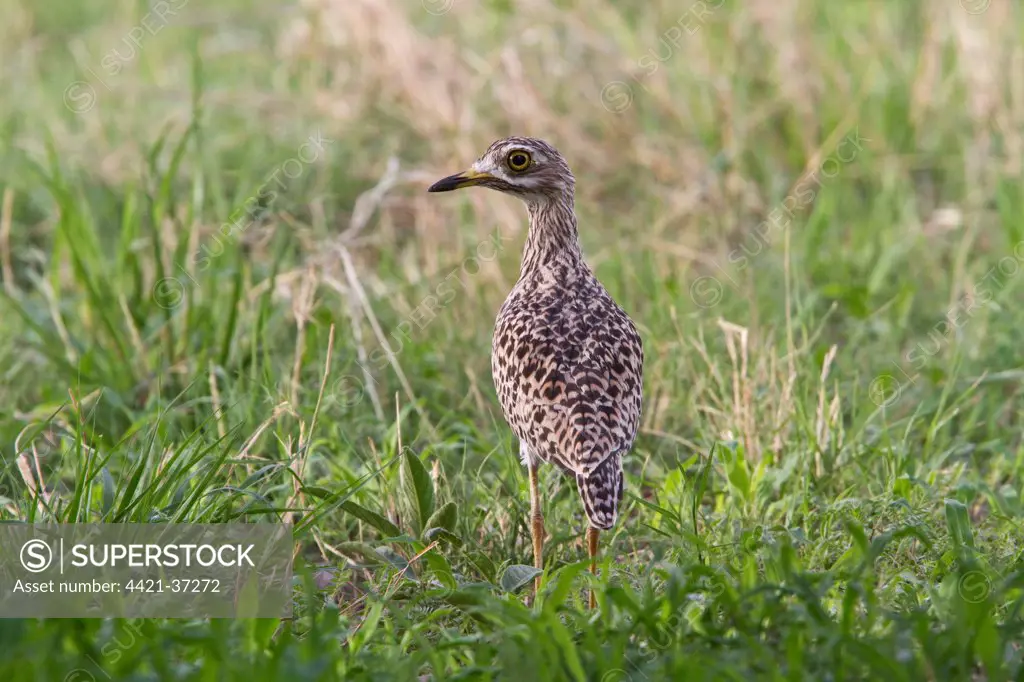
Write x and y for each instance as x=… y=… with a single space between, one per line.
x=526 y=167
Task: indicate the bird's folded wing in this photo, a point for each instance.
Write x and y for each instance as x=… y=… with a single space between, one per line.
x=588 y=401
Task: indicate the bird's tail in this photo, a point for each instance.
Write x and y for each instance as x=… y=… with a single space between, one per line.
x=601 y=492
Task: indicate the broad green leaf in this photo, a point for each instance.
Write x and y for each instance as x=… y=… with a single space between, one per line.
x=959 y=524
x=440 y=567
x=517 y=575
x=389 y=529
x=419 y=489
x=445 y=517
x=435 y=533
x=363 y=550
x=368 y=627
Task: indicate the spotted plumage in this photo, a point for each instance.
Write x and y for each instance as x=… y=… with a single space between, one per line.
x=567 y=365
x=567 y=361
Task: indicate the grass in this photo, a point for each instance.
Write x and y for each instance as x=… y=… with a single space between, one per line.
x=223 y=279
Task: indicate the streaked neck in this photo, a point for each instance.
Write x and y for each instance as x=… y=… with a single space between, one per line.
x=554 y=236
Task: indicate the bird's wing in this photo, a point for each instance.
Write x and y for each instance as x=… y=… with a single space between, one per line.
x=587 y=370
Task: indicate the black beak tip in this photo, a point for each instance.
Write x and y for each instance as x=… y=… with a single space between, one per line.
x=446 y=183
x=452 y=182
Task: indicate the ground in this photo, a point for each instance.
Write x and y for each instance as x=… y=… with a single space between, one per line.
x=228 y=296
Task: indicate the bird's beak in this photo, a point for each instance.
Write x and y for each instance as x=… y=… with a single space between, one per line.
x=460 y=180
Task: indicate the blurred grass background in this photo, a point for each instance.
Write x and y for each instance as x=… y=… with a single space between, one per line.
x=813 y=211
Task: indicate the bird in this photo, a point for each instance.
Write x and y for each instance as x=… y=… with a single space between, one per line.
x=566 y=359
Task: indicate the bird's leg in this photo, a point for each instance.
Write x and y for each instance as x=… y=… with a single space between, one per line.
x=536 y=525
x=592 y=551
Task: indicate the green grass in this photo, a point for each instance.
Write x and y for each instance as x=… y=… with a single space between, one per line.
x=813 y=210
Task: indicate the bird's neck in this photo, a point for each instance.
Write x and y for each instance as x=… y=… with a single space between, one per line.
x=554 y=236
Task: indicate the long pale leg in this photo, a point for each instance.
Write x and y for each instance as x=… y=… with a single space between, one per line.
x=592 y=551
x=536 y=519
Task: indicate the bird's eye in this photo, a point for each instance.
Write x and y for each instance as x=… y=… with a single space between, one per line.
x=518 y=161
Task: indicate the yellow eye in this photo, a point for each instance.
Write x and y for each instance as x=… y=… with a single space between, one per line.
x=518 y=161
